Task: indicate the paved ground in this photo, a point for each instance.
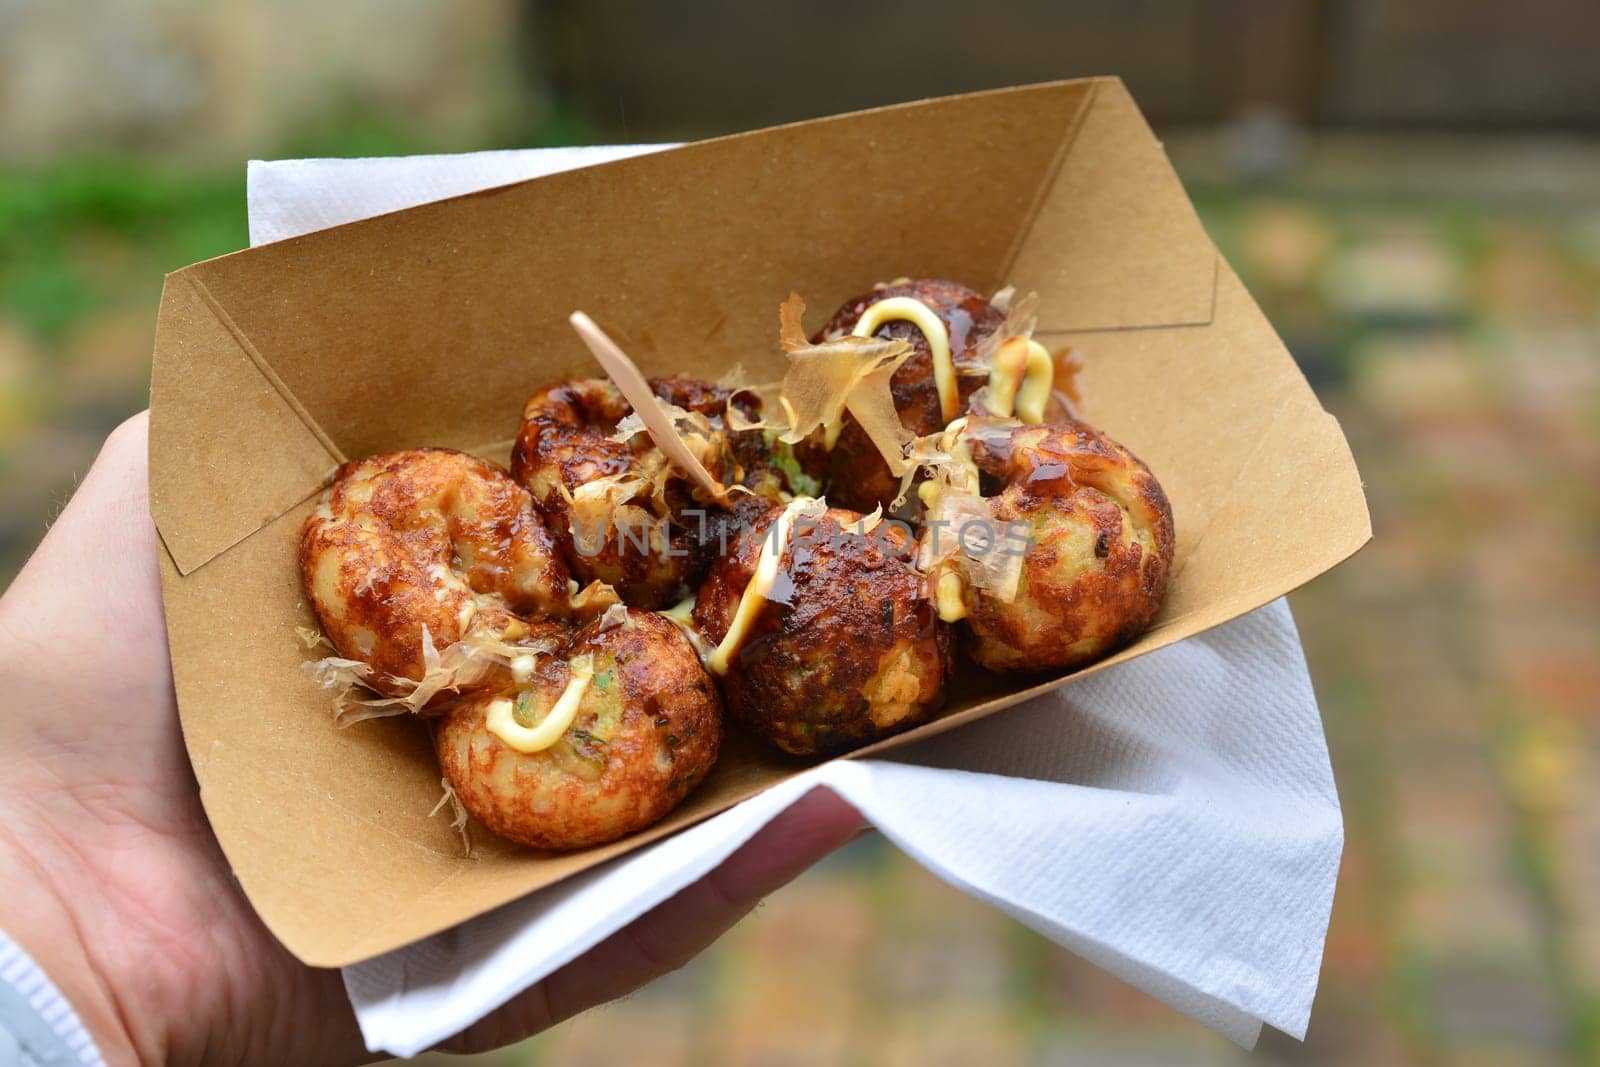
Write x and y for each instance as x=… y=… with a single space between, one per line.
x=1457 y=335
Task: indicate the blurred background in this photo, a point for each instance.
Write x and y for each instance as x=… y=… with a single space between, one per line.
x=1412 y=191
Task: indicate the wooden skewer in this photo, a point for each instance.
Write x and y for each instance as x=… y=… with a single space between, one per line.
x=657 y=423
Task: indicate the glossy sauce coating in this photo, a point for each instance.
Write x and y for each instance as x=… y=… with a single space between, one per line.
x=1096 y=571
x=849 y=651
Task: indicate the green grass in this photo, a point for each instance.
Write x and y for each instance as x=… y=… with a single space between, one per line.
x=54 y=217
x=49 y=216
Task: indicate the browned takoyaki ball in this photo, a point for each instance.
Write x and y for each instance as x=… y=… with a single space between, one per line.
x=648 y=534
x=853 y=471
x=646 y=732
x=1100 y=552
x=427 y=539
x=850 y=648
x=748 y=458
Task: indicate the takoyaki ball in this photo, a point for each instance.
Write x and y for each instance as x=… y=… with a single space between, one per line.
x=853 y=471
x=848 y=648
x=749 y=461
x=645 y=732
x=431 y=540
x=1100 y=552
x=619 y=512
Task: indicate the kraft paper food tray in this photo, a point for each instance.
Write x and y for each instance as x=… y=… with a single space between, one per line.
x=431 y=326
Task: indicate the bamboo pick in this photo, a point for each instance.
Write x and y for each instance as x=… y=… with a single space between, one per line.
x=657 y=423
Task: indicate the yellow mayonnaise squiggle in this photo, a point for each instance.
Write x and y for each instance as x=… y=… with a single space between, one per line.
x=905 y=308
x=760 y=585
x=502 y=720
x=960 y=476
x=1020 y=380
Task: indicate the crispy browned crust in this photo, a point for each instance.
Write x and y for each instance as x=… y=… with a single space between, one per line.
x=564 y=443
x=408 y=540
x=634 y=752
x=853 y=470
x=856 y=653
x=1096 y=571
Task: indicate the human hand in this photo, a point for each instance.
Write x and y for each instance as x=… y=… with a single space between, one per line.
x=117 y=887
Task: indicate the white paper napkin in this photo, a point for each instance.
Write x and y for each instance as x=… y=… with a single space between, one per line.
x=1173 y=820
x=289 y=197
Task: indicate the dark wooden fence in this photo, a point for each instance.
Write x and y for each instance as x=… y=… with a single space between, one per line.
x=653 y=70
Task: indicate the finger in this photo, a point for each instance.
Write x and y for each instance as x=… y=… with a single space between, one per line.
x=98 y=562
x=671 y=934
x=99 y=557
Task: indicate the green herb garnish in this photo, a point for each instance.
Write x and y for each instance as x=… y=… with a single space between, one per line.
x=520 y=711
x=587 y=746
x=800 y=483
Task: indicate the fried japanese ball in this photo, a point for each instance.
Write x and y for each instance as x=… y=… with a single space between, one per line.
x=853 y=471
x=1100 y=542
x=645 y=732
x=426 y=547
x=845 y=649
x=620 y=513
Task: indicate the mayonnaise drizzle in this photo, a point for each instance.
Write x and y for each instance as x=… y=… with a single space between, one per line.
x=759 y=586
x=908 y=309
x=1020 y=380
x=949 y=595
x=501 y=719
x=960 y=477
x=681 y=615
